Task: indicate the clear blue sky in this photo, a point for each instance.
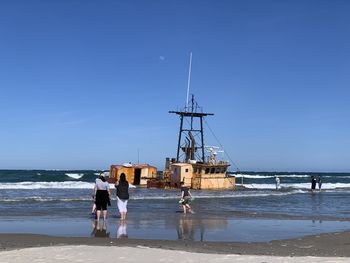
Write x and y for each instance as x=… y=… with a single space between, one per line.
x=85 y=84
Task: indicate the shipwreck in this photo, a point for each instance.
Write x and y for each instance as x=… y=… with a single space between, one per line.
x=195 y=164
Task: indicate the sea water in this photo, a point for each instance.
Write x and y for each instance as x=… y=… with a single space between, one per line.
x=59 y=202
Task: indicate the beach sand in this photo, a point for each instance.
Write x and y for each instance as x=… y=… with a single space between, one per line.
x=138 y=254
x=331 y=247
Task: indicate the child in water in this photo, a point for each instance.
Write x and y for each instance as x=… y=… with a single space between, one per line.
x=185 y=198
x=93 y=209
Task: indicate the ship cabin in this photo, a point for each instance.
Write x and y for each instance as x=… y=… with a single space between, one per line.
x=200 y=175
x=136 y=174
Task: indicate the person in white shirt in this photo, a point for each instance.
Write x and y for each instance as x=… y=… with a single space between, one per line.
x=278 y=182
x=102 y=195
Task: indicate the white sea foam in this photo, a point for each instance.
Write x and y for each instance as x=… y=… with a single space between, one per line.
x=150 y=196
x=44 y=199
x=48 y=185
x=325 y=186
x=294 y=175
x=216 y=195
x=104 y=173
x=53 y=185
x=259 y=176
x=90 y=185
x=74 y=175
x=254 y=176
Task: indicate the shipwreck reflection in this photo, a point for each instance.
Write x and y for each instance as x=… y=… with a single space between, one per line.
x=192 y=228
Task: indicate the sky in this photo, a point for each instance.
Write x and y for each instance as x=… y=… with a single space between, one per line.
x=86 y=84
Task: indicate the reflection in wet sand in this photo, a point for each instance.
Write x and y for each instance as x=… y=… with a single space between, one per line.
x=186 y=229
x=121 y=232
x=99 y=229
x=190 y=228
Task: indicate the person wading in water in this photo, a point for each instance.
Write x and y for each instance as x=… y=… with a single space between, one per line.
x=185 y=198
x=122 y=188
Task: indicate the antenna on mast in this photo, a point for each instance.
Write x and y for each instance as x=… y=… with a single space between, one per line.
x=138 y=156
x=188 y=81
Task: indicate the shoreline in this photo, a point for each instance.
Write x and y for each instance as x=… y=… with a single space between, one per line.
x=323 y=245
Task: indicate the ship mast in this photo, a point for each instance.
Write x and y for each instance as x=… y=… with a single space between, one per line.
x=191 y=125
x=188 y=81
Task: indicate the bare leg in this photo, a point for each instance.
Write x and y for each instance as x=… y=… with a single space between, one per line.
x=98 y=213
x=184 y=207
x=104 y=215
x=123 y=216
x=189 y=208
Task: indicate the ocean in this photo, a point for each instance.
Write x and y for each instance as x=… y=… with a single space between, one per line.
x=58 y=202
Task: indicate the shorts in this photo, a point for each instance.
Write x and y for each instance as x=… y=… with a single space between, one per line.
x=186 y=200
x=122 y=205
x=102 y=199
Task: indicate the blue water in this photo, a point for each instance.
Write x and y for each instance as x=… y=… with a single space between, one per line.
x=33 y=200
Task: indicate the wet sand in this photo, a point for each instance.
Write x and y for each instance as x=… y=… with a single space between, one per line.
x=323 y=245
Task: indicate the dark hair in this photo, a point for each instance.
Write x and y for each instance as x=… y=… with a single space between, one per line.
x=103 y=179
x=122 y=177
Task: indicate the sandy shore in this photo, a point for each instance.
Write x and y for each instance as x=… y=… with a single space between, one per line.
x=139 y=254
x=324 y=245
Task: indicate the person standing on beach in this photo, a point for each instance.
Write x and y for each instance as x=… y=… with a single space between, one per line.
x=102 y=195
x=185 y=198
x=313 y=183
x=319 y=181
x=278 y=182
x=122 y=188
